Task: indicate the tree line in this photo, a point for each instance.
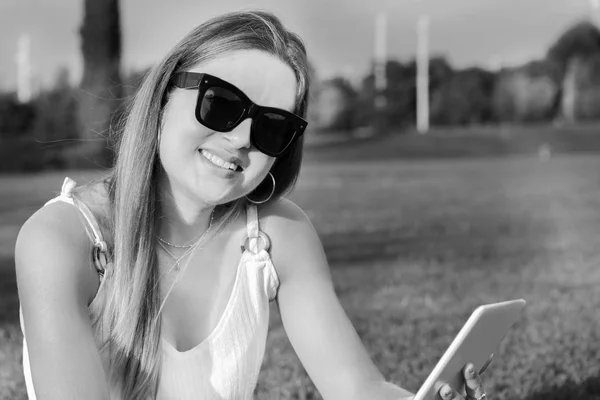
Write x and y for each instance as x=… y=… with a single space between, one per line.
x=564 y=86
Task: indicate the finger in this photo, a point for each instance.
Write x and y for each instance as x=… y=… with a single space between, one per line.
x=473 y=384
x=472 y=380
x=447 y=393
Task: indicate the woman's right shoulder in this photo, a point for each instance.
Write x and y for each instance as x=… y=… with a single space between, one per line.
x=53 y=248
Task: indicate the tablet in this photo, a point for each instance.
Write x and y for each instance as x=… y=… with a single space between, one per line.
x=475 y=343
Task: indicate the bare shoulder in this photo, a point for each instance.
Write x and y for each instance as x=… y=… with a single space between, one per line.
x=295 y=244
x=283 y=211
x=56 y=283
x=285 y=219
x=52 y=253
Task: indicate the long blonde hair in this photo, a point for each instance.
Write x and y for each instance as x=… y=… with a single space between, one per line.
x=130 y=311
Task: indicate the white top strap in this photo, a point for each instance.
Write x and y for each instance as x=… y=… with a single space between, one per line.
x=252 y=221
x=66 y=193
x=89 y=217
x=100 y=250
x=67 y=187
x=257 y=240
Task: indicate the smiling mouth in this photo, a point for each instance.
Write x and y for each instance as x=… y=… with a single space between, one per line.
x=219 y=162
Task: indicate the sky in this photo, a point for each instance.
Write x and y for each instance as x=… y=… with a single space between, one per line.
x=339 y=34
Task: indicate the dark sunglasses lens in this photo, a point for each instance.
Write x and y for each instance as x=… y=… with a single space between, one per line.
x=220 y=109
x=273 y=132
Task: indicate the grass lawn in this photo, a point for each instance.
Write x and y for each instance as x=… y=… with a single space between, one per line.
x=414 y=247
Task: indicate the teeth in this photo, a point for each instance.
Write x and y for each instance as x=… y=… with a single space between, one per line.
x=218 y=161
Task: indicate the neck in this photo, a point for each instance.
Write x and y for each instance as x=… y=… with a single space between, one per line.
x=181 y=218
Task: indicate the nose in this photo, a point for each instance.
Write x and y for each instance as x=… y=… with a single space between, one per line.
x=240 y=136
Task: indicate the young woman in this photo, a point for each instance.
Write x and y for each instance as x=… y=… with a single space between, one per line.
x=191 y=239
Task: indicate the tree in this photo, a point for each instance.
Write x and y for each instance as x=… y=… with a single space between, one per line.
x=56 y=111
x=580 y=41
x=577 y=51
x=333 y=106
x=16 y=118
x=440 y=72
x=101 y=93
x=463 y=98
x=528 y=93
x=345 y=118
x=581 y=89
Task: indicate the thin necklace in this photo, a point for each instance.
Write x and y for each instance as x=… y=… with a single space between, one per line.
x=190 y=248
x=187 y=246
x=177 y=259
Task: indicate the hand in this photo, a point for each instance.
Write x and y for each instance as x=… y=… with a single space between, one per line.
x=473 y=386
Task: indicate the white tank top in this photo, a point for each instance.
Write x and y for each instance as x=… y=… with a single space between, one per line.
x=227 y=363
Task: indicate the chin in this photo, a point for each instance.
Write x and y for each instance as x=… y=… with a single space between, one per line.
x=212 y=194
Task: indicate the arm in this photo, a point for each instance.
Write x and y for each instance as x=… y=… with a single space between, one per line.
x=56 y=282
x=315 y=322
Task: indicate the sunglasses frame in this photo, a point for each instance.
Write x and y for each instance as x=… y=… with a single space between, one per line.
x=203 y=82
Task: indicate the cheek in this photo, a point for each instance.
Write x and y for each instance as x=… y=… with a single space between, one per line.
x=260 y=165
x=180 y=138
x=170 y=150
x=179 y=126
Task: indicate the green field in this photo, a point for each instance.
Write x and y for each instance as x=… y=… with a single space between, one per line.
x=414 y=247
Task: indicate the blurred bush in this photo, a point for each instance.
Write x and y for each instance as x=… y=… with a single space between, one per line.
x=21 y=154
x=33 y=135
x=45 y=133
x=530 y=93
x=15 y=117
x=17 y=149
x=335 y=105
x=56 y=112
x=464 y=98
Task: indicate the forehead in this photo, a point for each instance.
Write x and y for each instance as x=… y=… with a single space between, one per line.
x=264 y=78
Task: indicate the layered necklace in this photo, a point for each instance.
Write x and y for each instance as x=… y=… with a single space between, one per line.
x=189 y=247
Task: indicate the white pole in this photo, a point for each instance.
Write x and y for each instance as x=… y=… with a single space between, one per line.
x=595 y=9
x=23 y=62
x=423 y=74
x=380 y=59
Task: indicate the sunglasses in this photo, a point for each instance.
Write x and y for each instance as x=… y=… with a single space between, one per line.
x=221 y=107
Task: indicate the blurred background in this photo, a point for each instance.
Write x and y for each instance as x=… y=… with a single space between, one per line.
x=451 y=160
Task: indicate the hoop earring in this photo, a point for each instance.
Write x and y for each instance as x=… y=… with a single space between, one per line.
x=270 y=195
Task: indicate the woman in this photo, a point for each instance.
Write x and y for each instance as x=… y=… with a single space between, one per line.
x=191 y=239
